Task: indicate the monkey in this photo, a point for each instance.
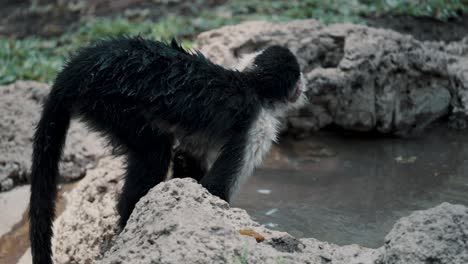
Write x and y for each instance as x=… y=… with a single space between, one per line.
x=145 y=97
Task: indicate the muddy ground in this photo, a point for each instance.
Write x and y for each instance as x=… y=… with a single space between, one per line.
x=19 y=20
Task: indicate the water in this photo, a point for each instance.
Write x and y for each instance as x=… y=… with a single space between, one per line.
x=12 y=205
x=347 y=189
x=14 y=243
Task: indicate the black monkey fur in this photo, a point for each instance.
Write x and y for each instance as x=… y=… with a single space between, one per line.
x=144 y=95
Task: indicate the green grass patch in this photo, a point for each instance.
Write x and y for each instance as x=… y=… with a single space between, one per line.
x=278 y=10
x=439 y=9
x=31 y=59
x=40 y=59
x=349 y=10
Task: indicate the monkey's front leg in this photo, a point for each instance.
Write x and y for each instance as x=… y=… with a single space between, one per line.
x=230 y=169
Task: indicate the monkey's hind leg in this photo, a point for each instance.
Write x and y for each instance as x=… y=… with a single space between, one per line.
x=185 y=164
x=147 y=165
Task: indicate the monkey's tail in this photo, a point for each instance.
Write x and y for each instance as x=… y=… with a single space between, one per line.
x=49 y=139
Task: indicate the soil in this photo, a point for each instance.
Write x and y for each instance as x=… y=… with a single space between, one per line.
x=54 y=17
x=49 y=19
x=18 y=20
x=424 y=28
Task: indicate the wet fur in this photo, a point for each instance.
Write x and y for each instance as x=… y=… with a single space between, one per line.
x=146 y=96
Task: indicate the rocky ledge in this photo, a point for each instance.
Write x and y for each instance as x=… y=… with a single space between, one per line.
x=178 y=221
x=20 y=108
x=360 y=78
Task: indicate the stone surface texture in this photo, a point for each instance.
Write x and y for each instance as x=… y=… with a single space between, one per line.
x=180 y=222
x=437 y=235
x=89 y=223
x=20 y=108
x=359 y=78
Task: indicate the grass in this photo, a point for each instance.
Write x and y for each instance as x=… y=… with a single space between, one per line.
x=279 y=10
x=40 y=59
x=349 y=10
x=31 y=59
x=440 y=9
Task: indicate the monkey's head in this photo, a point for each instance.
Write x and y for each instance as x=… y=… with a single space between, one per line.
x=277 y=77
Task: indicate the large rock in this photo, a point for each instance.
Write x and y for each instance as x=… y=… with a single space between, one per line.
x=89 y=223
x=20 y=105
x=180 y=222
x=360 y=78
x=438 y=235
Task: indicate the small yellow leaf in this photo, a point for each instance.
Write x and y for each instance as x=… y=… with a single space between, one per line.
x=252 y=233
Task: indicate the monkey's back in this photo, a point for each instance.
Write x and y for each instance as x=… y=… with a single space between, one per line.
x=163 y=82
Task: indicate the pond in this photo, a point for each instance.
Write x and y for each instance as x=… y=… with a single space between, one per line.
x=348 y=189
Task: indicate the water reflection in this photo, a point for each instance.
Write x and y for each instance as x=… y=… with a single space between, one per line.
x=347 y=190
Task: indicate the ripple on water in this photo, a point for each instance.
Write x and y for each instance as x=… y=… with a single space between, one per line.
x=348 y=189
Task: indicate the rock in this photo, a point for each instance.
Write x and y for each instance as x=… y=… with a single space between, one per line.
x=6 y=184
x=359 y=78
x=20 y=107
x=89 y=223
x=438 y=235
x=178 y=221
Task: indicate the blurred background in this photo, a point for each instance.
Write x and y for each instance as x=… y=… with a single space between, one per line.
x=333 y=185
x=37 y=35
